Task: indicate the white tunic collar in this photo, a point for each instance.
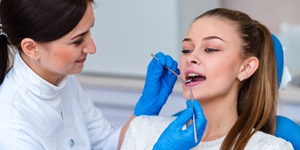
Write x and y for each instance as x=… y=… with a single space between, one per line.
x=27 y=78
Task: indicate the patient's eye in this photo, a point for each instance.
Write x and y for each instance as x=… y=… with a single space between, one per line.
x=211 y=50
x=186 y=51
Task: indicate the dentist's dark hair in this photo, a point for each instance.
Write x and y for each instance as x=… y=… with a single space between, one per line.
x=40 y=20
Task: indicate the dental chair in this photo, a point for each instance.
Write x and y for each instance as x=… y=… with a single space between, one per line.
x=285 y=128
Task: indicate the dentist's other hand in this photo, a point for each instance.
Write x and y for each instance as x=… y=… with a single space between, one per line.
x=158 y=85
x=174 y=138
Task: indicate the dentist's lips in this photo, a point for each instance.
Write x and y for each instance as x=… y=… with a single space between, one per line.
x=81 y=60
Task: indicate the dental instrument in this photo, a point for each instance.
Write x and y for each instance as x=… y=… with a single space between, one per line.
x=194 y=119
x=191 y=96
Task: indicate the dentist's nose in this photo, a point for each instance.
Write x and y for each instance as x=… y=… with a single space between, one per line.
x=90 y=48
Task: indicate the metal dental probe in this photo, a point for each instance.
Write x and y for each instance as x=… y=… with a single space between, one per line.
x=194 y=119
x=191 y=97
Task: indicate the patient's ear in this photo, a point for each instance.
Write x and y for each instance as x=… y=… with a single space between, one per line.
x=30 y=48
x=248 y=67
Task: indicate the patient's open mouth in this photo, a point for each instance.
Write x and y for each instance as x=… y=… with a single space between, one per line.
x=194 y=77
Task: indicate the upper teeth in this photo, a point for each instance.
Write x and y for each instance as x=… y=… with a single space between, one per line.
x=192 y=75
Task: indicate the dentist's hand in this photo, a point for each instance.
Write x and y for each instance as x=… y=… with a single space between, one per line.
x=158 y=85
x=174 y=138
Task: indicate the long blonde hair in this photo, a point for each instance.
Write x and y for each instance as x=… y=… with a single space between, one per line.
x=257 y=98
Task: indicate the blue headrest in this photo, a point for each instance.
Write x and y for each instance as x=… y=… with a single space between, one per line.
x=279 y=58
x=286 y=128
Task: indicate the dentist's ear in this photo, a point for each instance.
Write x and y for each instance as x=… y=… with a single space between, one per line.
x=248 y=68
x=30 y=48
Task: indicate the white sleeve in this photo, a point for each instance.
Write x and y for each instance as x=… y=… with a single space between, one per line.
x=13 y=137
x=102 y=134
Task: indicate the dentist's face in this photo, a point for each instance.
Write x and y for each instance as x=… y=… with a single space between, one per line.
x=212 y=51
x=67 y=55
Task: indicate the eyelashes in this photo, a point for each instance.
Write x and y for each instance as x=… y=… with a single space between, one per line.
x=186 y=51
x=207 y=50
x=78 y=42
x=211 y=50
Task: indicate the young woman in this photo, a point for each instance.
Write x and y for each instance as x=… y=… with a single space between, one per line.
x=42 y=105
x=230 y=59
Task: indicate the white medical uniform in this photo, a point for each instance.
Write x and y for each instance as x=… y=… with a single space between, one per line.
x=36 y=115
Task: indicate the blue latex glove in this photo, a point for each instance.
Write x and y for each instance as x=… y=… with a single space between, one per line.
x=158 y=85
x=174 y=138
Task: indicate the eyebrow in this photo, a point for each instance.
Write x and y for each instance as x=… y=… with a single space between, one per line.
x=81 y=34
x=186 y=40
x=204 y=39
x=213 y=37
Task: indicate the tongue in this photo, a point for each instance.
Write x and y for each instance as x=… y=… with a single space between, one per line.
x=198 y=78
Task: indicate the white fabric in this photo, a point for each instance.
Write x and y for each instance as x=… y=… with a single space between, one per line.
x=286 y=78
x=36 y=115
x=144 y=131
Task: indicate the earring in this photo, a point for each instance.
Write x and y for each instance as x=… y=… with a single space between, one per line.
x=241 y=78
x=36 y=61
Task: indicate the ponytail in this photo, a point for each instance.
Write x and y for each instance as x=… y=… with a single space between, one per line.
x=268 y=83
x=4 y=57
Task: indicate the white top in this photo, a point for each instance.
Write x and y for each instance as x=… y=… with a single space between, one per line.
x=36 y=115
x=144 y=131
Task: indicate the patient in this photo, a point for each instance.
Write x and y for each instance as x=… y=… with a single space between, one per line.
x=233 y=59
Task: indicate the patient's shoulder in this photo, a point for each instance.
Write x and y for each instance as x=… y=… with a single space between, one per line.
x=261 y=140
x=144 y=131
x=151 y=122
